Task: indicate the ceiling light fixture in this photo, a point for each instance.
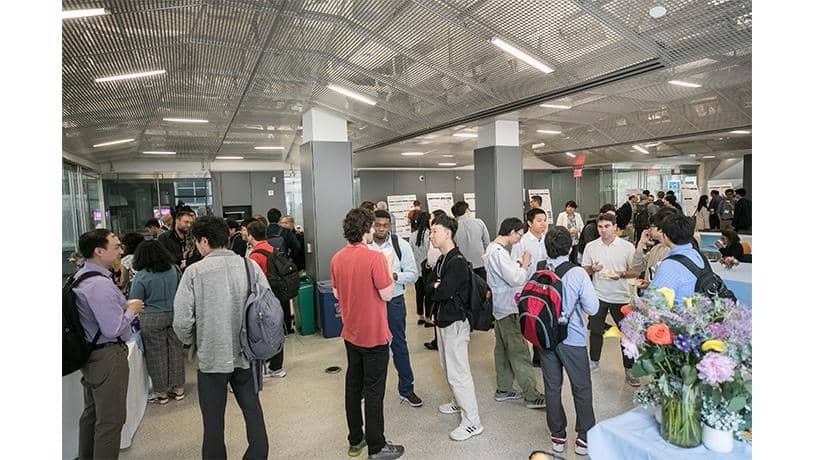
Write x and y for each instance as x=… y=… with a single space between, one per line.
x=640 y=149
x=555 y=106
x=657 y=11
x=351 y=94
x=653 y=144
x=548 y=131
x=538 y=146
x=447 y=156
x=570 y=154
x=158 y=152
x=740 y=131
x=128 y=76
x=186 y=120
x=533 y=62
x=468 y=135
x=229 y=158
x=72 y=14
x=268 y=147
x=412 y=154
x=709 y=156
x=120 y=141
x=447 y=164
x=684 y=83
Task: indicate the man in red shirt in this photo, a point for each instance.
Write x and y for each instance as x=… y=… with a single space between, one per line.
x=362 y=283
x=256 y=236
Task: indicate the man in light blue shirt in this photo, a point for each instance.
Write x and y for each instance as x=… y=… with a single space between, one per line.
x=578 y=299
x=404 y=271
x=678 y=230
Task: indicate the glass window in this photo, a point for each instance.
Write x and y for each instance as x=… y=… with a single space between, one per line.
x=130 y=203
x=294 y=198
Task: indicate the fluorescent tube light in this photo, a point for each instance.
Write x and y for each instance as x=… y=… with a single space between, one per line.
x=158 y=152
x=469 y=135
x=128 y=76
x=498 y=42
x=447 y=164
x=570 y=154
x=412 y=154
x=653 y=144
x=186 y=120
x=229 y=158
x=640 y=149
x=268 y=147
x=684 y=83
x=709 y=156
x=740 y=131
x=555 y=106
x=538 y=146
x=121 y=141
x=72 y=14
x=447 y=156
x=352 y=94
x=548 y=131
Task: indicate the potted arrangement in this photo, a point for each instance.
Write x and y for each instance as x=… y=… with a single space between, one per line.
x=689 y=349
x=649 y=398
x=729 y=262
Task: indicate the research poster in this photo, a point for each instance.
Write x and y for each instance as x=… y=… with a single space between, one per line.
x=470 y=199
x=399 y=205
x=546 y=202
x=443 y=201
x=689 y=197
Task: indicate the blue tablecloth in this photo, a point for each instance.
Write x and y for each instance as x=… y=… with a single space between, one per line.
x=634 y=435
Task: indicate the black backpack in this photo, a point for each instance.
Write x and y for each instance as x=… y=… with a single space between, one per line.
x=708 y=282
x=641 y=218
x=278 y=242
x=479 y=305
x=75 y=349
x=282 y=274
x=395 y=243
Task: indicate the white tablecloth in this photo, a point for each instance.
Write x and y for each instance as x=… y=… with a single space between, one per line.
x=634 y=435
x=73 y=402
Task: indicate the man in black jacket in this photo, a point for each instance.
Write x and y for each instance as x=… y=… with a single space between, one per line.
x=179 y=241
x=624 y=213
x=291 y=246
x=742 y=211
x=448 y=290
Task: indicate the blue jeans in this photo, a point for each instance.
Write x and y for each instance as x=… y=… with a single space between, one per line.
x=399 y=347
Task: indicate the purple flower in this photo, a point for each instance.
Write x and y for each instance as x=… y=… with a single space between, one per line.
x=718 y=331
x=630 y=350
x=683 y=343
x=716 y=368
x=632 y=328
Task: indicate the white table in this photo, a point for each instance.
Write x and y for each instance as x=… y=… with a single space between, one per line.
x=634 y=435
x=73 y=402
x=738 y=279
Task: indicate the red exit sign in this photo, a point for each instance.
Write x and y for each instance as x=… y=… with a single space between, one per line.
x=578 y=172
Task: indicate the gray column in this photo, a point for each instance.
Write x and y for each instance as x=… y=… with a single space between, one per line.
x=747 y=174
x=499 y=174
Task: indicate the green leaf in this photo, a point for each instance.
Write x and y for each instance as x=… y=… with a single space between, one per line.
x=649 y=367
x=748 y=387
x=663 y=384
x=659 y=355
x=689 y=374
x=736 y=404
x=637 y=369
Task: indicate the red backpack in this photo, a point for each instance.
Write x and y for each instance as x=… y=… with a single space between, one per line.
x=540 y=313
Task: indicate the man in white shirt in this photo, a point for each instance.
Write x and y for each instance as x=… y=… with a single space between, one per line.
x=608 y=260
x=506 y=277
x=533 y=240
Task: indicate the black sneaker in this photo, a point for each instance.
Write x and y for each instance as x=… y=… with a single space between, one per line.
x=388 y=451
x=412 y=399
x=356 y=449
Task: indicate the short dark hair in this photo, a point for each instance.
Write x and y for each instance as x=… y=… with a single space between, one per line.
x=89 y=241
x=257 y=230
x=678 y=228
x=661 y=214
x=213 y=228
x=646 y=192
x=729 y=190
x=356 y=224
x=186 y=211
x=130 y=241
x=571 y=204
x=670 y=192
x=732 y=236
x=537 y=199
x=152 y=223
x=511 y=224
x=715 y=192
x=247 y=221
x=607 y=216
x=671 y=198
x=382 y=214
x=607 y=208
x=153 y=257
x=531 y=214
x=417 y=203
x=740 y=192
x=233 y=224
x=459 y=208
x=368 y=205
x=558 y=241
x=273 y=215
x=661 y=194
x=447 y=222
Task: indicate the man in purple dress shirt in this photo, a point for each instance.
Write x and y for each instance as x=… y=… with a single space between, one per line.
x=103 y=311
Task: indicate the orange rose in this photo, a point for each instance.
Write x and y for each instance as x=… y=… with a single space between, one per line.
x=659 y=334
x=626 y=309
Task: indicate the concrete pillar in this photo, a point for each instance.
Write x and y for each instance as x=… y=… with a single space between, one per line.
x=499 y=175
x=326 y=184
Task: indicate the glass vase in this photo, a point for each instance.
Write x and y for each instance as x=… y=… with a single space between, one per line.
x=682 y=419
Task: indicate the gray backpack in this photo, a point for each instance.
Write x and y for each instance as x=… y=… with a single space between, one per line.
x=262 y=331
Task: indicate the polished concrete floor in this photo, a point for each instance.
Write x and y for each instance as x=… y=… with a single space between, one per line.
x=305 y=415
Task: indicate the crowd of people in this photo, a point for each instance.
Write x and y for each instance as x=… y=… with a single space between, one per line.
x=172 y=287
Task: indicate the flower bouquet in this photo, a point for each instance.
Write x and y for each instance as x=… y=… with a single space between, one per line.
x=689 y=349
x=729 y=262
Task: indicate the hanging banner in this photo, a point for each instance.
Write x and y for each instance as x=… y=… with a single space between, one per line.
x=470 y=199
x=690 y=195
x=443 y=201
x=546 y=202
x=399 y=205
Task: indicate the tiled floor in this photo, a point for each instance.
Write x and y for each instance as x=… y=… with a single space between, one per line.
x=305 y=416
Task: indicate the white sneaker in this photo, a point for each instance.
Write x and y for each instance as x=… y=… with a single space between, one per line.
x=449 y=408
x=278 y=374
x=594 y=366
x=558 y=444
x=581 y=447
x=463 y=433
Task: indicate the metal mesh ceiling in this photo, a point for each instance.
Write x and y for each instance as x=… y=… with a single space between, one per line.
x=251 y=68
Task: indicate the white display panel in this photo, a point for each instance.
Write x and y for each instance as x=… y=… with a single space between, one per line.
x=443 y=201
x=399 y=205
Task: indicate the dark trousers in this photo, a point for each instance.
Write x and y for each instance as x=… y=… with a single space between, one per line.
x=596 y=330
x=419 y=288
x=714 y=221
x=574 y=361
x=365 y=375
x=287 y=316
x=276 y=363
x=481 y=272
x=105 y=383
x=399 y=346
x=212 y=398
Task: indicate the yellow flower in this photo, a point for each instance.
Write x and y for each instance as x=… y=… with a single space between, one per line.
x=668 y=294
x=688 y=302
x=716 y=345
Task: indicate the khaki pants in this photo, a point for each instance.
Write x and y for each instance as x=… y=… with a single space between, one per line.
x=105 y=383
x=512 y=359
x=453 y=353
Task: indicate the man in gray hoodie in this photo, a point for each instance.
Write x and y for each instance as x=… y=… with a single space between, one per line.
x=472 y=237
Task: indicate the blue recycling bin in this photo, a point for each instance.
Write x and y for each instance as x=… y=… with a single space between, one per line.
x=330 y=322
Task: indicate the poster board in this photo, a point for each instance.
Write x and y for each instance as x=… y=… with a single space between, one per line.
x=470 y=199
x=399 y=205
x=689 y=196
x=546 y=202
x=442 y=200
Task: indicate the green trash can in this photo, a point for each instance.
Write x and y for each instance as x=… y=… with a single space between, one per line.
x=305 y=310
